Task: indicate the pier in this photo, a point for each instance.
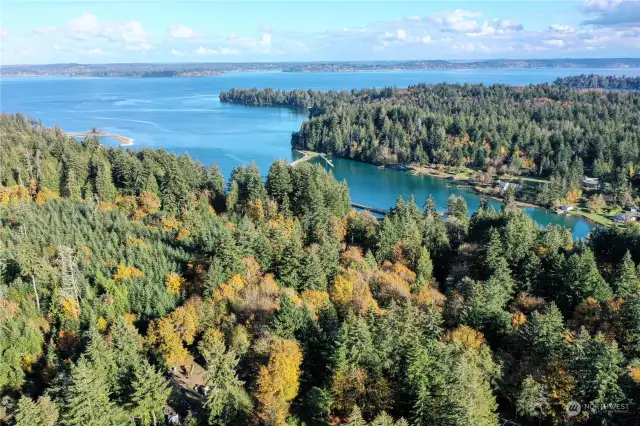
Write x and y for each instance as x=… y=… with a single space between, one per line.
x=308 y=155
x=369 y=208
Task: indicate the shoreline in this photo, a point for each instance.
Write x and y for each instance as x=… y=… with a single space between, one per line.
x=124 y=140
x=422 y=171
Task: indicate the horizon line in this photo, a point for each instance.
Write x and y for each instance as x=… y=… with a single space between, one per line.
x=328 y=61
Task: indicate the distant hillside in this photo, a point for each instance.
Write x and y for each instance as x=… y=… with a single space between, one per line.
x=210 y=69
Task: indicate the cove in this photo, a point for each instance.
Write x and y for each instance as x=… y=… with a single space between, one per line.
x=380 y=188
x=184 y=115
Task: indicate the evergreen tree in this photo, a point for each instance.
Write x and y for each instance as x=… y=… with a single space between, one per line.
x=581 y=279
x=279 y=186
x=174 y=189
x=288 y=319
x=312 y=274
x=626 y=283
x=28 y=413
x=227 y=402
x=424 y=270
x=355 y=418
x=150 y=394
x=87 y=400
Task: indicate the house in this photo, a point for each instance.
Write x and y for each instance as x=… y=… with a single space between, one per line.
x=503 y=186
x=624 y=218
x=633 y=209
x=566 y=208
x=591 y=183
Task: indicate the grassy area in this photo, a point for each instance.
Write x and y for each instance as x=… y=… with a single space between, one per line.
x=595 y=217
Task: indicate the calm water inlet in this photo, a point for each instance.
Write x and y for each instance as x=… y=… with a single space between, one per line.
x=185 y=115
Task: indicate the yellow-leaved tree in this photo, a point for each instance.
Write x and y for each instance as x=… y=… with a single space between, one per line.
x=278 y=381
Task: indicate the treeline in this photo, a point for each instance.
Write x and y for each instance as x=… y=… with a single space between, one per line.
x=595 y=81
x=537 y=129
x=293 y=308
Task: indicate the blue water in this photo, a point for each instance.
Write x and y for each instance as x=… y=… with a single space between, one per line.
x=185 y=115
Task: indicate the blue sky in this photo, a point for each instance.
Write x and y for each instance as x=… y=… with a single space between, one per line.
x=239 y=31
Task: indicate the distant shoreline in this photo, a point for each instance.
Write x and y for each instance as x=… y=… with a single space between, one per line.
x=189 y=70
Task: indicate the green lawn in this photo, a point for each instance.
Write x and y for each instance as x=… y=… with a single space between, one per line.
x=595 y=217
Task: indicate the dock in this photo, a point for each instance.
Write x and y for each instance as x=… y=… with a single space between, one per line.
x=124 y=141
x=308 y=155
x=369 y=208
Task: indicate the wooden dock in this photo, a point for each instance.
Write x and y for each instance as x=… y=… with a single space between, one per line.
x=369 y=208
x=308 y=155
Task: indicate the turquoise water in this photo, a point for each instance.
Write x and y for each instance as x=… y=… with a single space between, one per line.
x=185 y=115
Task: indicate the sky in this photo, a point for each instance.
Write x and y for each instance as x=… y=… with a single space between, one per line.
x=110 y=31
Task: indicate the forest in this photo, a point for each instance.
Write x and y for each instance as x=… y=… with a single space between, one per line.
x=595 y=81
x=548 y=131
x=138 y=287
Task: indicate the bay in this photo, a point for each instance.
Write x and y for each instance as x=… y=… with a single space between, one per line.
x=185 y=115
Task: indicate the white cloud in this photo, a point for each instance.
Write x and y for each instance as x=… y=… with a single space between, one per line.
x=142 y=47
x=554 y=42
x=57 y=47
x=557 y=28
x=203 y=51
x=45 y=30
x=401 y=35
x=180 y=31
x=612 y=13
x=457 y=21
x=499 y=26
x=4 y=32
x=265 y=39
x=89 y=27
x=95 y=51
x=471 y=47
x=600 y=5
x=84 y=27
x=414 y=18
x=175 y=52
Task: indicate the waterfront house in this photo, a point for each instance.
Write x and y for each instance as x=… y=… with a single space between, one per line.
x=566 y=208
x=624 y=218
x=633 y=209
x=503 y=186
x=591 y=183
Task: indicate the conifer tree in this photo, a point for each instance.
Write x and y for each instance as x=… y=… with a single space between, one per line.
x=279 y=186
x=227 y=402
x=150 y=394
x=424 y=270
x=312 y=274
x=355 y=418
x=87 y=400
x=28 y=413
x=626 y=283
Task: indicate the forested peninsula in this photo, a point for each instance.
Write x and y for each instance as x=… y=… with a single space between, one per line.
x=551 y=133
x=595 y=81
x=139 y=286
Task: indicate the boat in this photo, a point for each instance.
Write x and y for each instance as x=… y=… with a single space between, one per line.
x=381 y=166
